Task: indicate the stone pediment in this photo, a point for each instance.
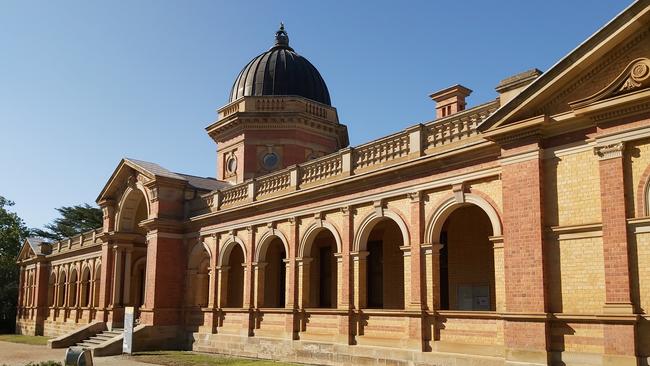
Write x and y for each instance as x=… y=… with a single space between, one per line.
x=635 y=76
x=592 y=70
x=26 y=252
x=34 y=247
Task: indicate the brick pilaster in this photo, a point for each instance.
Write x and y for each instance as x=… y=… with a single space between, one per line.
x=526 y=331
x=41 y=291
x=105 y=283
x=166 y=266
x=618 y=339
x=345 y=295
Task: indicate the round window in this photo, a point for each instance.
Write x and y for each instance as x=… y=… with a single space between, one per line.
x=270 y=160
x=231 y=164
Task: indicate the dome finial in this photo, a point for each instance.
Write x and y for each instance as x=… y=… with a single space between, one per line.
x=281 y=37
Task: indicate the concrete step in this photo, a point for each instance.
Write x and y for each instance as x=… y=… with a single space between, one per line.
x=103 y=337
x=86 y=345
x=93 y=340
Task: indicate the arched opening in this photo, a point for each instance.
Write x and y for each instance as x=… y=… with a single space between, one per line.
x=235 y=287
x=133 y=210
x=322 y=271
x=61 y=289
x=138 y=281
x=203 y=285
x=72 y=289
x=50 y=289
x=385 y=266
x=275 y=275
x=467 y=261
x=198 y=277
x=85 y=287
x=96 y=284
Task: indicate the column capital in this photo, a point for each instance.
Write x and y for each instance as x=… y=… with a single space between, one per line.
x=609 y=151
x=260 y=265
x=361 y=254
x=304 y=260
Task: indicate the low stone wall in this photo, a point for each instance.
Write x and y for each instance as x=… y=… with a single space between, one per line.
x=328 y=353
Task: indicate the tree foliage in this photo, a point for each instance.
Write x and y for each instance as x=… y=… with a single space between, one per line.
x=12 y=233
x=74 y=220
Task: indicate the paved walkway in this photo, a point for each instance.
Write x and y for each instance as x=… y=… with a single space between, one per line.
x=17 y=354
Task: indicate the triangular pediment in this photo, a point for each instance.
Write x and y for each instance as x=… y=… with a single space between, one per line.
x=594 y=69
x=26 y=252
x=127 y=173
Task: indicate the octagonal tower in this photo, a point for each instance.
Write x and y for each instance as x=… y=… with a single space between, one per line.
x=279 y=115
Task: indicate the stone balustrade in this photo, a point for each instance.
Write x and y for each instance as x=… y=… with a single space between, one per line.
x=273 y=183
x=234 y=194
x=84 y=239
x=321 y=169
x=412 y=143
x=381 y=151
x=457 y=127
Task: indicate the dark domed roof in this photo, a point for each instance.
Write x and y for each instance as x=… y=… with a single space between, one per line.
x=280 y=71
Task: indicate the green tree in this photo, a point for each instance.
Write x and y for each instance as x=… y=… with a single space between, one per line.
x=12 y=233
x=74 y=220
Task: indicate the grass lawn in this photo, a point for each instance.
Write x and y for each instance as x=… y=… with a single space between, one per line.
x=25 y=339
x=184 y=358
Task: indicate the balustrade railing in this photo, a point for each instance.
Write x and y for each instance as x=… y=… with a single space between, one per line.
x=384 y=150
x=412 y=143
x=446 y=131
x=321 y=169
x=234 y=194
x=273 y=183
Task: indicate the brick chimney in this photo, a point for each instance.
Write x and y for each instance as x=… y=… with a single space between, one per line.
x=509 y=87
x=450 y=100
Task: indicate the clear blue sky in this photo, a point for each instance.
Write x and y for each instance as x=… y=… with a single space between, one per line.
x=85 y=83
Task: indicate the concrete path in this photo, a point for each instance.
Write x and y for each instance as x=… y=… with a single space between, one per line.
x=17 y=354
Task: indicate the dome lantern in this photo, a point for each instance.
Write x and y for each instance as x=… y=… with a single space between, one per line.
x=280 y=71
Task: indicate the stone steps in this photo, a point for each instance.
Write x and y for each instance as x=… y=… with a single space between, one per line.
x=98 y=339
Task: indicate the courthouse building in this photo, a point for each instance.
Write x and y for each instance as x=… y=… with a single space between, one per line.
x=516 y=231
